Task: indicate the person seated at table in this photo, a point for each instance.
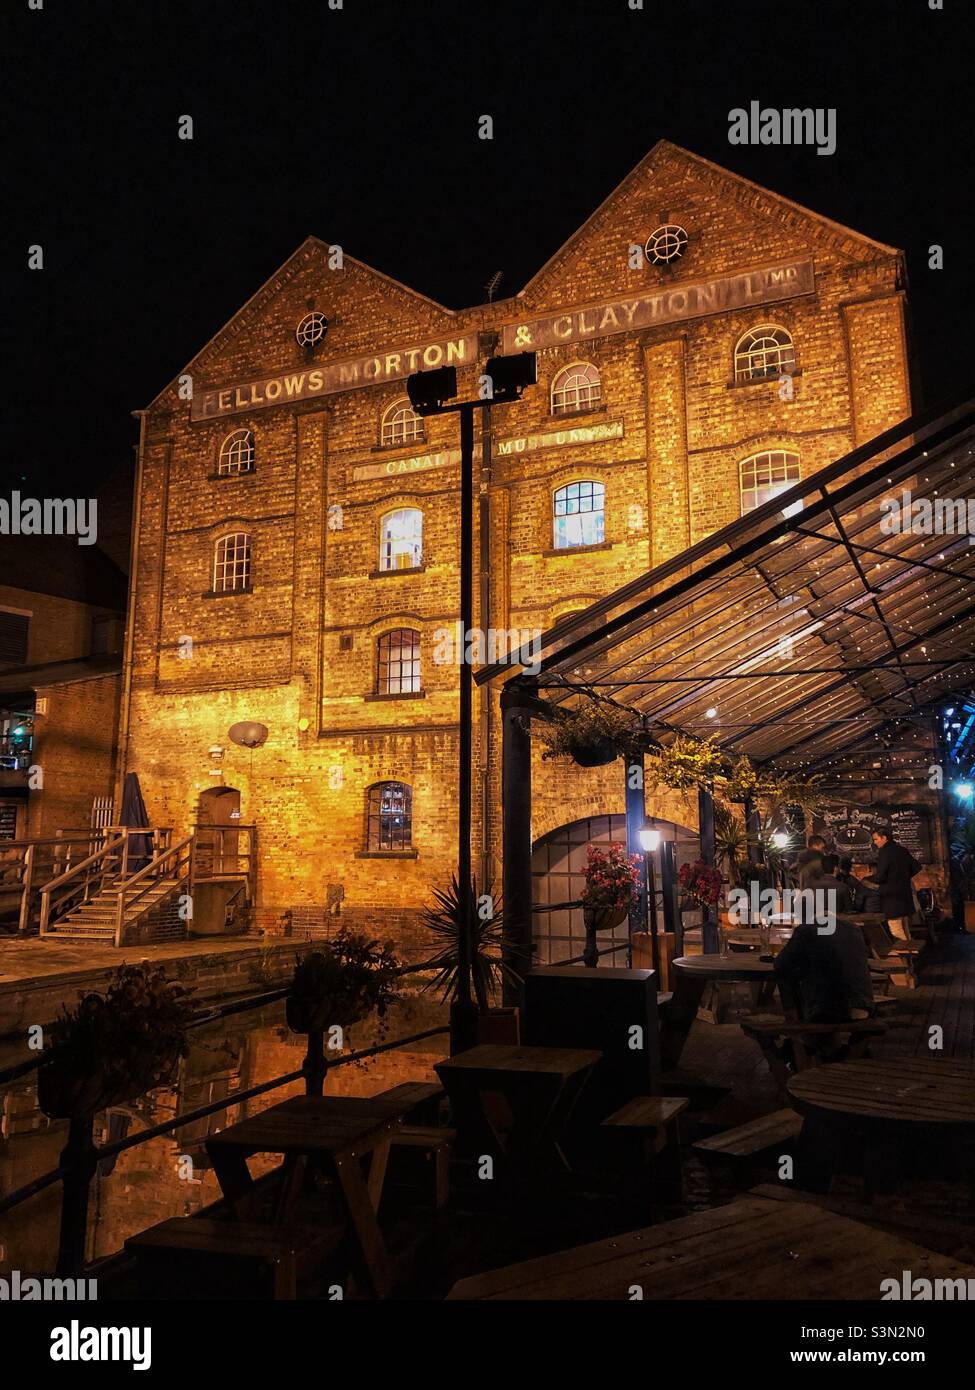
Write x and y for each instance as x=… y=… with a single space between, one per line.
x=826 y=880
x=810 y=859
x=825 y=978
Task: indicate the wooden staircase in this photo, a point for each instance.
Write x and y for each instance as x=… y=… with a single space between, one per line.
x=95 y=920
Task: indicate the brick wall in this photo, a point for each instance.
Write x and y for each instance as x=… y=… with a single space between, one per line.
x=298 y=651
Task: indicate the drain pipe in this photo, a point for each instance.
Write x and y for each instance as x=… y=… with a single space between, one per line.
x=122 y=751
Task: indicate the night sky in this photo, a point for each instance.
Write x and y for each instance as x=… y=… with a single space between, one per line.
x=359 y=125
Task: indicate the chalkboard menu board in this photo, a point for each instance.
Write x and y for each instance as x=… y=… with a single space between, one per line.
x=847 y=827
x=8 y=820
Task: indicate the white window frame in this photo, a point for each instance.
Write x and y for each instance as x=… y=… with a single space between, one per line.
x=576 y=388
x=400 y=425
x=236 y=453
x=408 y=542
x=764 y=353
x=780 y=470
x=583 y=522
x=232 y=563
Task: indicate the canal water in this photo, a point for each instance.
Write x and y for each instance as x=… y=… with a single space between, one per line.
x=170 y=1176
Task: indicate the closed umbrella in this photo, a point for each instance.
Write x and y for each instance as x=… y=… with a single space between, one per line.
x=134 y=814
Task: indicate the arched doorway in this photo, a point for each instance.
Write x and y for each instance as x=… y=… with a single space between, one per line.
x=559 y=876
x=217 y=817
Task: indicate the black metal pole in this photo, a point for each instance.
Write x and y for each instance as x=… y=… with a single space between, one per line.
x=516 y=810
x=635 y=817
x=705 y=811
x=652 y=894
x=463 y=1013
x=668 y=887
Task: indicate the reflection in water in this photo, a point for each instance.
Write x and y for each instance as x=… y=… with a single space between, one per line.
x=171 y=1176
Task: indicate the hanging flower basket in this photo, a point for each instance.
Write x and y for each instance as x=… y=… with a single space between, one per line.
x=596 y=753
x=604 y=918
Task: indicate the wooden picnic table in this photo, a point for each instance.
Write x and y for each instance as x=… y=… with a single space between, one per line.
x=692 y=975
x=880 y=1106
x=539 y=1085
x=337 y=1132
x=753 y=1248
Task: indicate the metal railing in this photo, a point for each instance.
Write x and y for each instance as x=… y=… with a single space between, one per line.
x=110 y=862
x=80 y=1157
x=176 y=862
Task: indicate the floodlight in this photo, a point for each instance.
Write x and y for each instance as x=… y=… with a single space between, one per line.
x=510 y=375
x=429 y=390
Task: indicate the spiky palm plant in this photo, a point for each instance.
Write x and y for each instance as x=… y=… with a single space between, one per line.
x=445 y=921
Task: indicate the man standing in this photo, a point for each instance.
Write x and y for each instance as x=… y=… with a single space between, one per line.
x=810 y=861
x=896 y=866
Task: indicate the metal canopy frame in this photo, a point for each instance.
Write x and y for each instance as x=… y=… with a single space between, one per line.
x=812 y=625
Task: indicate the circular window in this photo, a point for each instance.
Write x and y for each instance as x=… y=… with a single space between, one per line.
x=666 y=244
x=312 y=329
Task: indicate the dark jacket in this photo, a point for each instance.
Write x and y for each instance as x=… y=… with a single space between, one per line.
x=809 y=862
x=830 y=973
x=896 y=866
x=829 y=883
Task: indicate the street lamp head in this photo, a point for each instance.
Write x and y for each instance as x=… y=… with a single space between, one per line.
x=428 y=391
x=649 y=839
x=510 y=375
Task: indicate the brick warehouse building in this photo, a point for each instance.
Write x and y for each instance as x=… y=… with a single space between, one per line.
x=296 y=549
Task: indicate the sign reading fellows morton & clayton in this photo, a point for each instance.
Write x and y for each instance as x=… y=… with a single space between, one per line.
x=682 y=301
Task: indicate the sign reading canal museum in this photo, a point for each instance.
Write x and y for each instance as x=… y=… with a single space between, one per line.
x=550 y=439
x=337 y=376
x=682 y=301
x=396 y=468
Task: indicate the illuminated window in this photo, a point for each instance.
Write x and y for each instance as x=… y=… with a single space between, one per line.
x=764 y=352
x=232 y=563
x=389 y=816
x=237 y=453
x=764 y=476
x=576 y=388
x=401 y=539
x=399 y=662
x=579 y=515
x=400 y=425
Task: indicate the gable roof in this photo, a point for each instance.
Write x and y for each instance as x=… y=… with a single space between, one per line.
x=735 y=184
x=275 y=283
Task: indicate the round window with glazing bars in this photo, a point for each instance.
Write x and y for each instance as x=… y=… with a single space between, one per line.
x=312 y=329
x=666 y=244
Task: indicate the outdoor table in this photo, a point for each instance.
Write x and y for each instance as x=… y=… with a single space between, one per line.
x=881 y=1106
x=692 y=975
x=540 y=1086
x=755 y=1248
x=338 y=1131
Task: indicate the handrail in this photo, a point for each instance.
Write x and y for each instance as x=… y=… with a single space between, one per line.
x=151 y=872
x=84 y=864
x=80 y=1156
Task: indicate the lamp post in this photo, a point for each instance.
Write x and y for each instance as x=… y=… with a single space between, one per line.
x=650 y=843
x=433 y=393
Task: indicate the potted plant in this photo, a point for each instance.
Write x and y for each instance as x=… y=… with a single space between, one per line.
x=611 y=879
x=593 y=734
x=445 y=922
x=686 y=763
x=112 y=1048
x=351 y=977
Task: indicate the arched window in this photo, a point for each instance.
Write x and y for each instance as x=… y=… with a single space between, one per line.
x=401 y=539
x=237 y=453
x=400 y=425
x=764 y=476
x=579 y=515
x=232 y=563
x=764 y=352
x=389 y=816
x=576 y=388
x=399 y=662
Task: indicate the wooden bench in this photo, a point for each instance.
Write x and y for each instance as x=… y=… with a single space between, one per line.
x=415 y=1100
x=175 y=1249
x=766 y=1028
x=436 y=1145
x=747 y=1141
